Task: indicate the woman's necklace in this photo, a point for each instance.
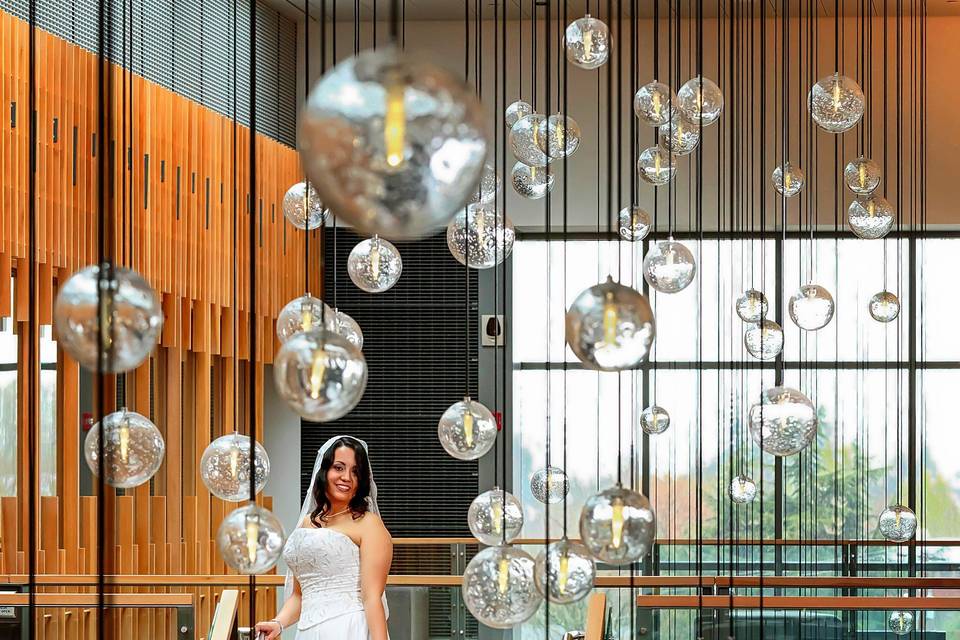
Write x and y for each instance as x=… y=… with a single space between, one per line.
x=326 y=517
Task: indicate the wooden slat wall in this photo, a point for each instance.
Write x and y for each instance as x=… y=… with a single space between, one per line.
x=176 y=176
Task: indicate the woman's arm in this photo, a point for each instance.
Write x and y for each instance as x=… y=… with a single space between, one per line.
x=287 y=616
x=376 y=554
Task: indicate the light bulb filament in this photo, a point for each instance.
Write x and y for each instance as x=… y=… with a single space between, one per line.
x=395 y=124
x=657 y=105
x=656 y=162
x=234 y=461
x=836 y=95
x=897 y=520
x=610 y=321
x=588 y=42
x=317 y=371
x=564 y=573
x=497 y=517
x=375 y=258
x=787 y=181
x=306 y=319
x=468 y=427
x=863 y=175
x=124 y=439
x=253 y=533
x=503 y=575
x=616 y=525
x=479 y=221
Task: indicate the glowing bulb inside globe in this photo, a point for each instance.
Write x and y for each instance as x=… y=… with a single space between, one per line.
x=862 y=174
x=836 y=94
x=125 y=438
x=564 y=573
x=468 y=424
x=497 y=516
x=503 y=575
x=306 y=319
x=317 y=372
x=898 y=518
x=106 y=319
x=253 y=533
x=234 y=460
x=609 y=320
x=375 y=258
x=394 y=126
x=588 y=41
x=657 y=106
x=616 y=524
x=788 y=182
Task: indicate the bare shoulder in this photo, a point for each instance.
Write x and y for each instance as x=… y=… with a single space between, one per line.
x=371 y=524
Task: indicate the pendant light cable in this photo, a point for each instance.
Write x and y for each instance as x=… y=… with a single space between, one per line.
x=252 y=302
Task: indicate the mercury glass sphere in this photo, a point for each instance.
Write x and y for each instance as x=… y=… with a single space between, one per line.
x=669 y=266
x=610 y=327
x=393 y=145
x=480 y=236
x=742 y=489
x=499 y=587
x=302 y=314
x=884 y=307
x=467 y=429
x=558 y=136
x=763 y=340
x=565 y=572
x=532 y=183
x=836 y=103
x=788 y=180
x=752 y=306
x=489 y=186
x=811 y=307
x=898 y=523
x=488 y=518
x=225 y=467
x=679 y=136
x=654 y=419
x=656 y=166
x=374 y=265
x=618 y=525
x=127 y=307
x=517 y=110
x=342 y=324
x=870 y=217
x=862 y=176
x=900 y=623
x=700 y=100
x=250 y=539
x=587 y=42
x=549 y=485
x=653 y=104
x=320 y=374
x=783 y=422
x=301 y=206
x=524 y=140
x=634 y=223
x=133 y=449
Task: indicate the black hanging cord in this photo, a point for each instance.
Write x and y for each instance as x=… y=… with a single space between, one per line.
x=33 y=356
x=252 y=303
x=306 y=93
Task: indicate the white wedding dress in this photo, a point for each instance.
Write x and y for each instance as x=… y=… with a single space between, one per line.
x=326 y=563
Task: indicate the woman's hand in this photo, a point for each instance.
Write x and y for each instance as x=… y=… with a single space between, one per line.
x=270 y=629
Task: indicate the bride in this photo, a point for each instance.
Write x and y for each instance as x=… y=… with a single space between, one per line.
x=339 y=556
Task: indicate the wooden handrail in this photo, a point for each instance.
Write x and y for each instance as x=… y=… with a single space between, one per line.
x=799 y=602
x=126 y=600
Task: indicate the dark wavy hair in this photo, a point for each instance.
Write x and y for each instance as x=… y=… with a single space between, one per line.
x=358 y=504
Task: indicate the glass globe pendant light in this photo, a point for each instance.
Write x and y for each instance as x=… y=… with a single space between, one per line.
x=301 y=314
x=549 y=485
x=654 y=104
x=656 y=167
x=870 y=217
x=499 y=587
x=524 y=142
x=811 y=307
x=133 y=449
x=788 y=180
x=558 y=136
x=394 y=146
x=532 y=183
x=898 y=523
x=320 y=374
x=495 y=516
x=679 y=136
x=489 y=186
x=467 y=429
x=784 y=421
x=634 y=223
x=250 y=539
x=118 y=301
x=836 y=103
x=587 y=42
x=374 y=265
x=669 y=266
x=900 y=623
x=610 y=327
x=763 y=340
x=742 y=489
x=564 y=571
x=480 y=236
x=654 y=419
x=225 y=467
x=517 y=110
x=862 y=176
x=884 y=307
x=343 y=325
x=752 y=306
x=618 y=525
x=700 y=100
x=302 y=207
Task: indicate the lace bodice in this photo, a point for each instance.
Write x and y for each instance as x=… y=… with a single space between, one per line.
x=326 y=563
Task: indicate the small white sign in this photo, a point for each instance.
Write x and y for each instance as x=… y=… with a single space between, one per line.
x=7 y=612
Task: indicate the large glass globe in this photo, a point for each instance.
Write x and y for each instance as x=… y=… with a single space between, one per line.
x=669 y=266
x=301 y=206
x=763 y=340
x=634 y=223
x=656 y=166
x=788 y=180
x=225 y=467
x=588 y=42
x=558 y=136
x=320 y=374
x=618 y=525
x=489 y=186
x=517 y=110
x=492 y=513
x=133 y=449
x=862 y=176
x=742 y=489
x=700 y=100
x=549 y=485
x=654 y=419
x=870 y=217
x=480 y=236
x=752 y=306
x=532 y=183
x=898 y=523
x=394 y=146
x=499 y=587
x=250 y=539
x=524 y=143
x=900 y=623
x=610 y=327
x=653 y=104
x=467 y=429
x=783 y=422
x=127 y=308
x=884 y=306
x=836 y=103
x=811 y=307
x=679 y=136
x=302 y=314
x=374 y=265
x=342 y=324
x=565 y=572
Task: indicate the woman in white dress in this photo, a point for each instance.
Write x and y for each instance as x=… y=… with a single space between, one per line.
x=339 y=556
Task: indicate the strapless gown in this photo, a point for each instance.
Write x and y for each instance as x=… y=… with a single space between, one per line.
x=326 y=563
